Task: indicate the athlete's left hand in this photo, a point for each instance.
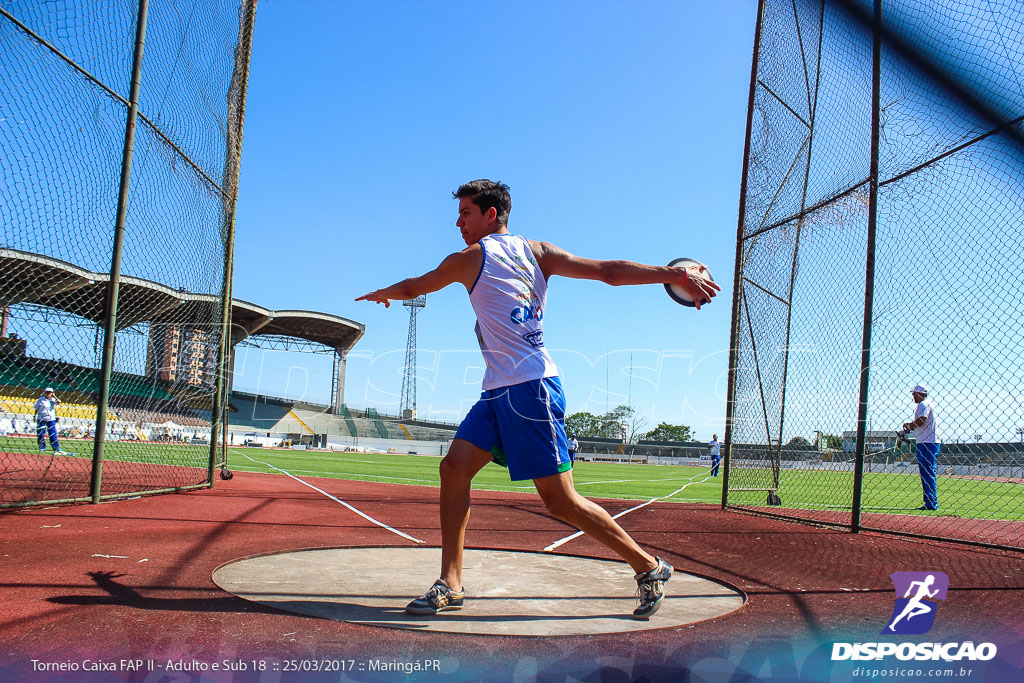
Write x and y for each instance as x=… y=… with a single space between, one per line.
x=698 y=285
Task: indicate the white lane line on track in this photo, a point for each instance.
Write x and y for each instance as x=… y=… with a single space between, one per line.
x=624 y=512
x=338 y=500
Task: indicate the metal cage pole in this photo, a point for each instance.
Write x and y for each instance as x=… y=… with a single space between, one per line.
x=737 y=281
x=225 y=420
x=240 y=83
x=869 y=275
x=812 y=108
x=110 y=314
x=334 y=382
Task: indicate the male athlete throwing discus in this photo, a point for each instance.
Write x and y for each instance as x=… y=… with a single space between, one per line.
x=519 y=420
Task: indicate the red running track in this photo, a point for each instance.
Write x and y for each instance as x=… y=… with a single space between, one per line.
x=131 y=579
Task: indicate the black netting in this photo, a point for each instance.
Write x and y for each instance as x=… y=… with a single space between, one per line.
x=948 y=273
x=64 y=100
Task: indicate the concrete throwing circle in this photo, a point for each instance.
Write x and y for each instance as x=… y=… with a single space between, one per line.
x=507 y=592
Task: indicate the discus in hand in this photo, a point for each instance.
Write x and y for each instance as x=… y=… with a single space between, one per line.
x=680 y=295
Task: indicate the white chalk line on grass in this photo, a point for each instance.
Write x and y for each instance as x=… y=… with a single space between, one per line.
x=338 y=500
x=642 y=505
x=319 y=456
x=577 y=484
x=624 y=481
x=360 y=476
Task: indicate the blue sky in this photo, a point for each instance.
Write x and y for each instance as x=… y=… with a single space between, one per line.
x=619 y=129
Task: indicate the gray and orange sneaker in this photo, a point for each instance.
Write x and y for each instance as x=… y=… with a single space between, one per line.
x=440 y=598
x=650 y=589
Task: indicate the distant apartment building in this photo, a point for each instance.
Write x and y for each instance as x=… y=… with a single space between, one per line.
x=179 y=353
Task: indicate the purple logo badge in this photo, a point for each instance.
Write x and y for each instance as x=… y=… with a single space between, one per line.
x=916 y=593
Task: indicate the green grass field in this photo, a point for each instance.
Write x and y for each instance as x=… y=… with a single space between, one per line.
x=968 y=497
x=598 y=480
x=808 y=489
x=127 y=451
x=895 y=493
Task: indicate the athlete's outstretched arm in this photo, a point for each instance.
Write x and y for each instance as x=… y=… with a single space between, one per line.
x=556 y=261
x=462 y=266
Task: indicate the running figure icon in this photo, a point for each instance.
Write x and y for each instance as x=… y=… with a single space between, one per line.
x=919 y=592
x=916 y=607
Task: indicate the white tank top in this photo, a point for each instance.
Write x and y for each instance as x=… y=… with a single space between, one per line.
x=509 y=298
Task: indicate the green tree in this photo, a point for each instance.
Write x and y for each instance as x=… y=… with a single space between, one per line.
x=798 y=441
x=668 y=432
x=584 y=425
x=608 y=426
x=832 y=442
x=623 y=415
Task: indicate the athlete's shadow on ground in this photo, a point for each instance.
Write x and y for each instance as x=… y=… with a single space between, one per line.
x=119 y=594
x=369 y=615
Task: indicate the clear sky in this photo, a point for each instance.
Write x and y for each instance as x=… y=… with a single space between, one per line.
x=619 y=129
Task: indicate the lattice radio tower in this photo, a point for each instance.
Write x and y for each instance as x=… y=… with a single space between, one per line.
x=409 y=377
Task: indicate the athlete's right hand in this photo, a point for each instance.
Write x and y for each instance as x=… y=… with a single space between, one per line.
x=376 y=297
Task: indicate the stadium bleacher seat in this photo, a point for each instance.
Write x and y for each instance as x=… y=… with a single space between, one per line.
x=132 y=397
x=26 y=406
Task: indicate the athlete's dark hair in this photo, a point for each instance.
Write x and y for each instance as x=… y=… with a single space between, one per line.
x=486 y=194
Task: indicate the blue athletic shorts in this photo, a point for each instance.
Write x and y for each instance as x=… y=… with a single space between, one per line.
x=523 y=426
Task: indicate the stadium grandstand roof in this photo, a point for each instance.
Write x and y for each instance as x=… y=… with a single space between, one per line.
x=322 y=328
x=47 y=281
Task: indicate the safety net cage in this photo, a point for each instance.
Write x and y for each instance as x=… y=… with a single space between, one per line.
x=120 y=135
x=879 y=248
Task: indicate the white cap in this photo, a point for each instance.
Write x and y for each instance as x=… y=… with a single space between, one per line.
x=920 y=389
x=48 y=390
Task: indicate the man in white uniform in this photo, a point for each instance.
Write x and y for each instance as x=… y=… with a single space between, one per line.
x=519 y=421
x=46 y=420
x=713 y=447
x=574 y=446
x=928 y=445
